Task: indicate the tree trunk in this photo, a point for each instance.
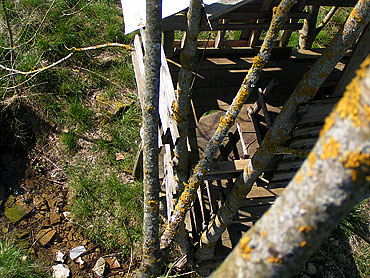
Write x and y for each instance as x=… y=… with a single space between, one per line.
x=280 y=15
x=181 y=107
x=150 y=262
x=279 y=133
x=332 y=179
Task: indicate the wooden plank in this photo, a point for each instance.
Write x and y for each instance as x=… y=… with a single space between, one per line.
x=258 y=192
x=307 y=131
x=315 y=112
x=265 y=15
x=303 y=143
x=224 y=167
x=169 y=179
x=224 y=6
x=168 y=43
x=286 y=165
x=166 y=97
x=286 y=175
x=138 y=61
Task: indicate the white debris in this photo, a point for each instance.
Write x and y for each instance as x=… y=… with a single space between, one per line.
x=60 y=271
x=59 y=257
x=80 y=261
x=76 y=252
x=99 y=267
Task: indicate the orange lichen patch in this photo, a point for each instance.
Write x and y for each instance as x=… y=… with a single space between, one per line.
x=329 y=121
x=263 y=233
x=354 y=161
x=245 y=248
x=149 y=108
x=274 y=260
x=367 y=112
x=175 y=111
x=298 y=178
x=153 y=206
x=348 y=106
x=309 y=174
x=311 y=160
x=305 y=229
x=330 y=149
x=303 y=243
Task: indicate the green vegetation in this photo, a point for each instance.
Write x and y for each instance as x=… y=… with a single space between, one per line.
x=88 y=101
x=15 y=262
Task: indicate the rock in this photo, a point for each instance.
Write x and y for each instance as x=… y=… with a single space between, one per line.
x=59 y=256
x=311 y=269
x=45 y=236
x=20 y=234
x=99 y=267
x=76 y=252
x=15 y=210
x=80 y=262
x=60 y=271
x=54 y=216
x=113 y=262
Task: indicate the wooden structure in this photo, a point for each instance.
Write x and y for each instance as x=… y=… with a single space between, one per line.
x=234 y=31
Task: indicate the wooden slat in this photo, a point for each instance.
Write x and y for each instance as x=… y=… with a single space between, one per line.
x=258 y=192
x=315 y=112
x=307 y=131
x=302 y=143
x=339 y=3
x=286 y=165
x=283 y=175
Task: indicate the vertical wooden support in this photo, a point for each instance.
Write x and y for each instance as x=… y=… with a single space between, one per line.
x=220 y=35
x=308 y=32
x=287 y=33
x=168 y=40
x=255 y=35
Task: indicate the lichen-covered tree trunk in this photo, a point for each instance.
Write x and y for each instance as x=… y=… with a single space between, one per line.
x=186 y=198
x=181 y=107
x=332 y=179
x=280 y=131
x=151 y=255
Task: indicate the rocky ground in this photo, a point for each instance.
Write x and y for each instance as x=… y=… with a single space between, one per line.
x=36 y=215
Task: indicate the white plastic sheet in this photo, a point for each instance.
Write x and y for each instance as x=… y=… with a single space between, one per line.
x=134 y=11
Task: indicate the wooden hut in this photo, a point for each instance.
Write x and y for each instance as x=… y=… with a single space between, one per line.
x=233 y=33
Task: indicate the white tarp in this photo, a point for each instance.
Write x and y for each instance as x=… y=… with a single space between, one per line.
x=134 y=11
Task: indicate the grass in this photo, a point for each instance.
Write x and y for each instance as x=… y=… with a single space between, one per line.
x=105 y=203
x=15 y=262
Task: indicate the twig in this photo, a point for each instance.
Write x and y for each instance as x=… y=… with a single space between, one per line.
x=325 y=20
x=73 y=50
x=77 y=10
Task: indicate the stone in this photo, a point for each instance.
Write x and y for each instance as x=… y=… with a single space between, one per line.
x=54 y=216
x=59 y=256
x=113 y=262
x=45 y=236
x=99 y=267
x=20 y=234
x=76 y=252
x=311 y=269
x=60 y=271
x=15 y=210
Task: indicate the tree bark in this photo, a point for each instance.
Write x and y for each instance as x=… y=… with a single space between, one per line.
x=279 y=133
x=186 y=198
x=181 y=107
x=150 y=261
x=332 y=179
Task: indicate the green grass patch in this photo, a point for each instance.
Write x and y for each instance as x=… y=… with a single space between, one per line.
x=16 y=263
x=108 y=209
